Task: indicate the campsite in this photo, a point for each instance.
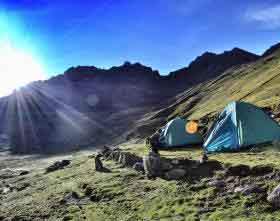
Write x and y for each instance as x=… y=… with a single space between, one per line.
x=164 y=110
x=234 y=183
x=229 y=184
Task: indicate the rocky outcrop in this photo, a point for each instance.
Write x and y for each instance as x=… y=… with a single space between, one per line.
x=58 y=166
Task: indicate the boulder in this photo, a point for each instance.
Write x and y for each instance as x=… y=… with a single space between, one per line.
x=139 y=167
x=249 y=189
x=238 y=170
x=166 y=164
x=217 y=183
x=151 y=164
x=198 y=170
x=213 y=165
x=128 y=159
x=114 y=155
x=175 y=174
x=98 y=163
x=58 y=166
x=261 y=170
x=274 y=197
x=175 y=162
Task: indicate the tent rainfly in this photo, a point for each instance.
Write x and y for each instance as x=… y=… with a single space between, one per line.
x=241 y=125
x=174 y=135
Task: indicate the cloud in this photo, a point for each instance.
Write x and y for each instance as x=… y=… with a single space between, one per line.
x=267 y=17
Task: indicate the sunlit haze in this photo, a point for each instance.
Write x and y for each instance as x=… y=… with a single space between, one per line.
x=18 y=68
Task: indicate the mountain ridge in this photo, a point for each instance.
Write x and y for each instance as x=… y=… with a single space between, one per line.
x=88 y=106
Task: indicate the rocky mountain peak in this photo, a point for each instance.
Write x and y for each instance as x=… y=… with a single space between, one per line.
x=272 y=50
x=209 y=65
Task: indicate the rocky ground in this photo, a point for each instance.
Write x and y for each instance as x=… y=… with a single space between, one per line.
x=71 y=189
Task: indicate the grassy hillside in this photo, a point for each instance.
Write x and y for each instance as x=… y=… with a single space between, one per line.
x=257 y=83
x=79 y=193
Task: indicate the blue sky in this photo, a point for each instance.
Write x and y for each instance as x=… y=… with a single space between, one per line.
x=164 y=34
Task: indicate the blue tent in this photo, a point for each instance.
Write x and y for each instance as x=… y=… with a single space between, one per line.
x=175 y=135
x=241 y=125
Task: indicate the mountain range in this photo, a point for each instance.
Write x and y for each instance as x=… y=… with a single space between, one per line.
x=88 y=106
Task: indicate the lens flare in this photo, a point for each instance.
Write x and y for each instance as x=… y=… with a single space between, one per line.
x=18 y=68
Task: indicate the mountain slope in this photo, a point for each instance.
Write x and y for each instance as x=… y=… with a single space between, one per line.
x=255 y=82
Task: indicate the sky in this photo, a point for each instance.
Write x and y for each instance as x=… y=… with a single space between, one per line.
x=164 y=34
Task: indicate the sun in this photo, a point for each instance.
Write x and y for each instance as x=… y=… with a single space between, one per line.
x=17 y=68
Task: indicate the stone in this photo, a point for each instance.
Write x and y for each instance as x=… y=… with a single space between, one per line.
x=152 y=165
x=217 y=183
x=249 y=189
x=120 y=158
x=175 y=162
x=139 y=167
x=274 y=197
x=6 y=190
x=8 y=173
x=95 y=198
x=206 y=210
x=230 y=179
x=261 y=170
x=21 y=186
x=116 y=155
x=166 y=164
x=276 y=176
x=98 y=163
x=88 y=191
x=104 y=150
x=238 y=170
x=70 y=198
x=129 y=159
x=107 y=155
x=204 y=158
x=213 y=165
x=198 y=170
x=91 y=156
x=58 y=166
x=175 y=174
x=24 y=172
